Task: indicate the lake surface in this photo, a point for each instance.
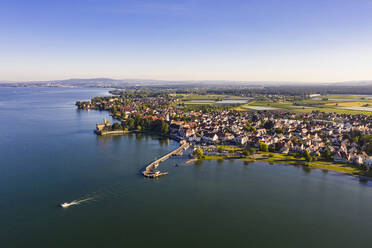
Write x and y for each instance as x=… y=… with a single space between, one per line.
x=50 y=155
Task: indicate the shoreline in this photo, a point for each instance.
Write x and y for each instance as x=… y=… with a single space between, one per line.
x=123 y=132
x=321 y=165
x=268 y=157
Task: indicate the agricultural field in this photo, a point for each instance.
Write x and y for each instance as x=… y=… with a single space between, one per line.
x=195 y=99
x=342 y=104
x=350 y=97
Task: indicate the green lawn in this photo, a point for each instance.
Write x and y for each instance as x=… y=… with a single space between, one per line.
x=289 y=159
x=229 y=148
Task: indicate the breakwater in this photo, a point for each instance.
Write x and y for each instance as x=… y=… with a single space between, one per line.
x=151 y=169
x=112 y=132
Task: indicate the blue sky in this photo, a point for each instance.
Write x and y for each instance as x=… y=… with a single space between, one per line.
x=252 y=40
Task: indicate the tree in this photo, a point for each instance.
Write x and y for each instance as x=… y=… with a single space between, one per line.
x=252 y=150
x=327 y=154
x=364 y=167
x=255 y=118
x=269 y=124
x=116 y=126
x=279 y=130
x=263 y=147
x=249 y=128
x=198 y=152
x=130 y=124
x=164 y=127
x=307 y=156
x=249 y=151
x=114 y=109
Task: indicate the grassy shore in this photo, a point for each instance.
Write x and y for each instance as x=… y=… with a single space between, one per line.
x=273 y=158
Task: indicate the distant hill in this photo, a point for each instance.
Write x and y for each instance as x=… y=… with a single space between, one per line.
x=137 y=83
x=118 y=83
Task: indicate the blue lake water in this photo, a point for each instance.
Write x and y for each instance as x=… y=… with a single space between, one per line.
x=49 y=155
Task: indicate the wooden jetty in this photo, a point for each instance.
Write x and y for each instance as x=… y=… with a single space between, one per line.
x=151 y=169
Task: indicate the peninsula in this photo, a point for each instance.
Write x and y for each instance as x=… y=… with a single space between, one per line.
x=313 y=129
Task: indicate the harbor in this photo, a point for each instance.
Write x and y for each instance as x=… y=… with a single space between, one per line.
x=151 y=169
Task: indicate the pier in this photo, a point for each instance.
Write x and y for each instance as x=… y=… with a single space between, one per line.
x=150 y=170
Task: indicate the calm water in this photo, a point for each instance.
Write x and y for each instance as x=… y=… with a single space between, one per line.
x=50 y=155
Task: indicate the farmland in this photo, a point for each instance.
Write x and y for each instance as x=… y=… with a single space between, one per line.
x=342 y=104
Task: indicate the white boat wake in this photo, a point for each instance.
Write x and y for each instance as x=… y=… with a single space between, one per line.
x=117 y=190
x=68 y=204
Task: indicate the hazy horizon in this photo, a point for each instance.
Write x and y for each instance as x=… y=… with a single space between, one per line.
x=147 y=80
x=277 y=41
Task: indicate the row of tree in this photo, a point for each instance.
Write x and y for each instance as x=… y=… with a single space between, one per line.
x=139 y=123
x=363 y=140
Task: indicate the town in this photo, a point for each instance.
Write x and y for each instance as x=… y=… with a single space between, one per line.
x=334 y=141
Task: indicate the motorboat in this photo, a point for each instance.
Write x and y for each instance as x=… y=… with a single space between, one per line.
x=67 y=204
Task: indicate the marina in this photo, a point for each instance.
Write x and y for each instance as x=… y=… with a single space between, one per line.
x=151 y=169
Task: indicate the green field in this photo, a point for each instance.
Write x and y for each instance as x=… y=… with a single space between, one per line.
x=332 y=105
x=199 y=99
x=341 y=104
